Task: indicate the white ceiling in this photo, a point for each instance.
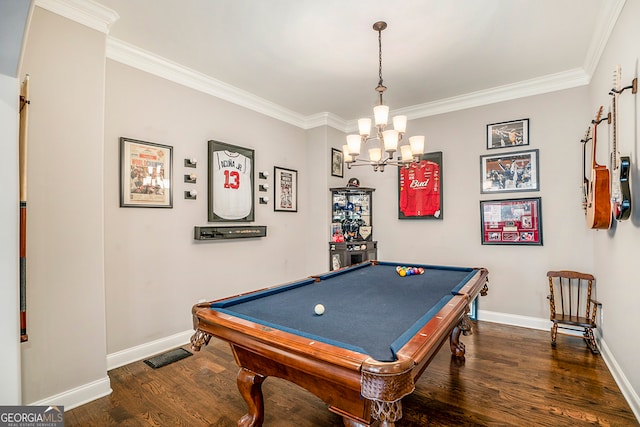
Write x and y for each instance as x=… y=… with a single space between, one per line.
x=313 y=56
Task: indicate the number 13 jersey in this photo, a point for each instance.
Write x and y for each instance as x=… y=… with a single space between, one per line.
x=232 y=185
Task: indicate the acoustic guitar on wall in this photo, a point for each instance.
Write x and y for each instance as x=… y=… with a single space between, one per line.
x=598 y=191
x=620 y=165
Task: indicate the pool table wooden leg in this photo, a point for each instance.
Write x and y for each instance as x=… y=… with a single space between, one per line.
x=250 y=386
x=457 y=348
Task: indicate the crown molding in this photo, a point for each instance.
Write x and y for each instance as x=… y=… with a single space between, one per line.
x=85 y=12
x=545 y=84
x=550 y=83
x=610 y=12
x=326 y=119
x=135 y=57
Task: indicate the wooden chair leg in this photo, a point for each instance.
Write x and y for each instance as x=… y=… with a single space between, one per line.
x=590 y=339
x=554 y=334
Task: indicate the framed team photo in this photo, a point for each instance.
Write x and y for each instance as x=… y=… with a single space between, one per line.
x=508 y=134
x=509 y=172
x=145 y=174
x=420 y=188
x=230 y=179
x=511 y=222
x=337 y=163
x=285 y=189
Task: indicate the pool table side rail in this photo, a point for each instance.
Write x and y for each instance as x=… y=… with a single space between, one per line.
x=424 y=345
x=271 y=342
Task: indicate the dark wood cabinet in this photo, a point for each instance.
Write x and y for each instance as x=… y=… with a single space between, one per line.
x=351 y=227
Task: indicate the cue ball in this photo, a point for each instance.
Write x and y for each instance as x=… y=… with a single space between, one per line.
x=319 y=309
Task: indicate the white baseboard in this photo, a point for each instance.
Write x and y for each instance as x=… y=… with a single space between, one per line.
x=514 y=320
x=625 y=386
x=142 y=351
x=621 y=380
x=78 y=396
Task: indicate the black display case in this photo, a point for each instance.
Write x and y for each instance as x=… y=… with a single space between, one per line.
x=351 y=227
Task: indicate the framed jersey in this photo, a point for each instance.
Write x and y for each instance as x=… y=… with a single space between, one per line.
x=420 y=188
x=230 y=193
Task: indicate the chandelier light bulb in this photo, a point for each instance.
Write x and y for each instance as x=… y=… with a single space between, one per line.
x=417 y=144
x=381 y=114
x=400 y=123
x=346 y=155
x=353 y=141
x=407 y=155
x=375 y=154
x=364 y=126
x=390 y=138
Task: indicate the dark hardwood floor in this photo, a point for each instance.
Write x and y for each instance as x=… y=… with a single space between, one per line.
x=511 y=377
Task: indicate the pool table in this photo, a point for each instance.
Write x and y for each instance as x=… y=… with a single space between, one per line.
x=377 y=335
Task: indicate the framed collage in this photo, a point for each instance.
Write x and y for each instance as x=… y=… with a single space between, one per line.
x=511 y=222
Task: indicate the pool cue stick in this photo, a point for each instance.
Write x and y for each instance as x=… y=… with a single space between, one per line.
x=22 y=156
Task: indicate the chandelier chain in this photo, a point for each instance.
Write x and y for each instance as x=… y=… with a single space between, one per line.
x=380 y=59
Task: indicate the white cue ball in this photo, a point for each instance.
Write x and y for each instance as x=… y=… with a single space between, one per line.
x=319 y=309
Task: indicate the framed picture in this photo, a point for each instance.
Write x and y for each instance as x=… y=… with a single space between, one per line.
x=230 y=182
x=420 y=188
x=509 y=172
x=145 y=174
x=337 y=163
x=511 y=222
x=285 y=189
x=508 y=134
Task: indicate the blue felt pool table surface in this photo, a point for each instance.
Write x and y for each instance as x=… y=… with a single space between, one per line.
x=369 y=308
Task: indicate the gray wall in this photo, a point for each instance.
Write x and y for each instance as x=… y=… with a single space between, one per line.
x=616 y=250
x=151 y=257
x=65 y=241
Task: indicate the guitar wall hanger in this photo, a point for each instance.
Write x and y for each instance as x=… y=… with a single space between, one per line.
x=633 y=86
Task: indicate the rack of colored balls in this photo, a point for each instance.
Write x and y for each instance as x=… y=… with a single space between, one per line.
x=409 y=271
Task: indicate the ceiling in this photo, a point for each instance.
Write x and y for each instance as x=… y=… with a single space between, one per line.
x=314 y=56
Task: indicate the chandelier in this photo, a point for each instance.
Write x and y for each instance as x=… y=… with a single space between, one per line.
x=388 y=139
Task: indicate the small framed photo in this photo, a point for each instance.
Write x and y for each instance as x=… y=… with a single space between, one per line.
x=285 y=189
x=337 y=163
x=509 y=172
x=511 y=222
x=230 y=194
x=508 y=134
x=145 y=174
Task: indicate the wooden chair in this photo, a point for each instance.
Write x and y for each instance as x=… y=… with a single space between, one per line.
x=571 y=306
